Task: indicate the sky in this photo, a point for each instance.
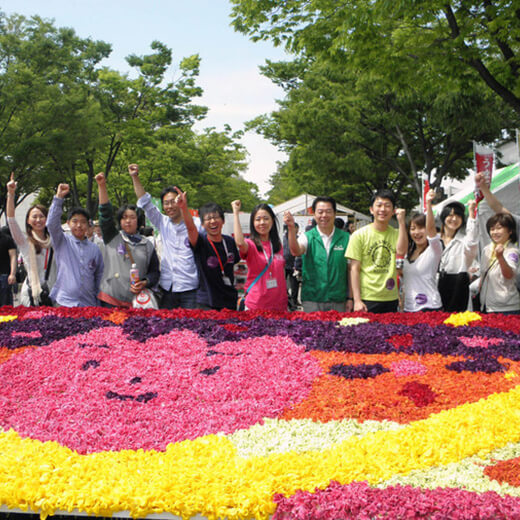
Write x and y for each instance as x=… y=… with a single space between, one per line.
x=234 y=90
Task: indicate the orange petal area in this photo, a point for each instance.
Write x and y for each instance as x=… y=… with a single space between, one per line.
x=116 y=317
x=505 y=472
x=335 y=398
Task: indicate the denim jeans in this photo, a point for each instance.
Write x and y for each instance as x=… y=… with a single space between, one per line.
x=173 y=300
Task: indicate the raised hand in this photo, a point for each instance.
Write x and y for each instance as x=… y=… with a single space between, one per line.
x=11 y=185
x=430 y=196
x=400 y=214
x=100 y=178
x=288 y=219
x=236 y=205
x=133 y=169
x=62 y=191
x=182 y=199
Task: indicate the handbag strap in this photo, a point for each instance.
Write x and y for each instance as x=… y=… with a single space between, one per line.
x=49 y=260
x=262 y=273
x=129 y=252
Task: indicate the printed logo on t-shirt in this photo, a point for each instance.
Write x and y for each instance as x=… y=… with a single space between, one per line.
x=513 y=257
x=187 y=242
x=212 y=262
x=390 y=284
x=230 y=258
x=381 y=256
x=339 y=248
x=421 y=299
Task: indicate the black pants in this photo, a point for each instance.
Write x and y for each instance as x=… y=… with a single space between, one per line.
x=454 y=290
x=380 y=307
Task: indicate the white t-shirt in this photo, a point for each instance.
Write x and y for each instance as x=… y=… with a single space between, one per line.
x=499 y=294
x=327 y=240
x=420 y=278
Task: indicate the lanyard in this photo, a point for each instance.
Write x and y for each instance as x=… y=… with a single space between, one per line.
x=270 y=258
x=218 y=256
x=46 y=257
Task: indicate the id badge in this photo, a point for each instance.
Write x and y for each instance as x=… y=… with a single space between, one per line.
x=226 y=280
x=271 y=283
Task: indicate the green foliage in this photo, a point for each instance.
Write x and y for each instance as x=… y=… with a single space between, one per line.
x=63 y=118
x=379 y=92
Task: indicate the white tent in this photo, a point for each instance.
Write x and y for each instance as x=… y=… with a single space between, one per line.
x=301 y=208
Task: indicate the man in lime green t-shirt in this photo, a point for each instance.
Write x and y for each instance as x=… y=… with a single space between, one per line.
x=372 y=254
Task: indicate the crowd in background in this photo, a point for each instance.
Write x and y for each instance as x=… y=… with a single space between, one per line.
x=422 y=265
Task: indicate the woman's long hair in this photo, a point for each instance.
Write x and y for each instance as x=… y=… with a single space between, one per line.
x=29 y=230
x=274 y=237
x=419 y=219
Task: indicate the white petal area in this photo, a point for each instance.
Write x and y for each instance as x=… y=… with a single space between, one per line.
x=467 y=474
x=300 y=435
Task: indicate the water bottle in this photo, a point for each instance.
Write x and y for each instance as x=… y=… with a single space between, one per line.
x=134 y=274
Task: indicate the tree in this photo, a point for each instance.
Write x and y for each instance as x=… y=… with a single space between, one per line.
x=359 y=114
x=65 y=118
x=446 y=37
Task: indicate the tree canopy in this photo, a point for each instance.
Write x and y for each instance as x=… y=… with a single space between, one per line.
x=64 y=117
x=381 y=92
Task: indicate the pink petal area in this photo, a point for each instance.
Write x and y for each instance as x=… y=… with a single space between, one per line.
x=479 y=341
x=408 y=368
x=65 y=399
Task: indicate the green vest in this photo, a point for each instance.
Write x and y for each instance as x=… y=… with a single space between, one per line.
x=325 y=279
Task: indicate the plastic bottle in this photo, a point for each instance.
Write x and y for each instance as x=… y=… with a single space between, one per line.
x=134 y=274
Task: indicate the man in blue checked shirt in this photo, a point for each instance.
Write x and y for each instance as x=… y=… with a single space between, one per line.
x=79 y=261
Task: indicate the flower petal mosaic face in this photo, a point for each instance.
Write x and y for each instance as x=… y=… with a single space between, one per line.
x=247 y=415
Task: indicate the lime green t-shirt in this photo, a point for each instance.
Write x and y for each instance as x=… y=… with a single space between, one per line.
x=375 y=250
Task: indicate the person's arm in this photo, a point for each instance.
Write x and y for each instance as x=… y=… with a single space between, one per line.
x=11 y=192
x=350 y=299
x=493 y=202
x=11 y=279
x=106 y=212
x=54 y=217
x=133 y=170
x=431 y=230
x=14 y=228
x=182 y=202
x=402 y=238
x=100 y=266
x=240 y=241
x=505 y=268
x=355 y=285
x=294 y=247
x=471 y=237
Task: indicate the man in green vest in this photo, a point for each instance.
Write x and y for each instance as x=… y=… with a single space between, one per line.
x=324 y=266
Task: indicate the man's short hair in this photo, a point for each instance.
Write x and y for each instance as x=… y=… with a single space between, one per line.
x=383 y=194
x=329 y=200
x=79 y=211
x=169 y=189
x=210 y=207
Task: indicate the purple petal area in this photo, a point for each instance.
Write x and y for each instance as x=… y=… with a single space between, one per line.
x=362 y=371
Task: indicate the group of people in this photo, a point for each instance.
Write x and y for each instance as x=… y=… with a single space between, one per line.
x=342 y=271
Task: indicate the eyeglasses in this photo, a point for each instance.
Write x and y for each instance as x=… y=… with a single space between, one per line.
x=169 y=202
x=208 y=218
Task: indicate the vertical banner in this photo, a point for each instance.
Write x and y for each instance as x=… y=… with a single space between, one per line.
x=425 y=190
x=484 y=158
